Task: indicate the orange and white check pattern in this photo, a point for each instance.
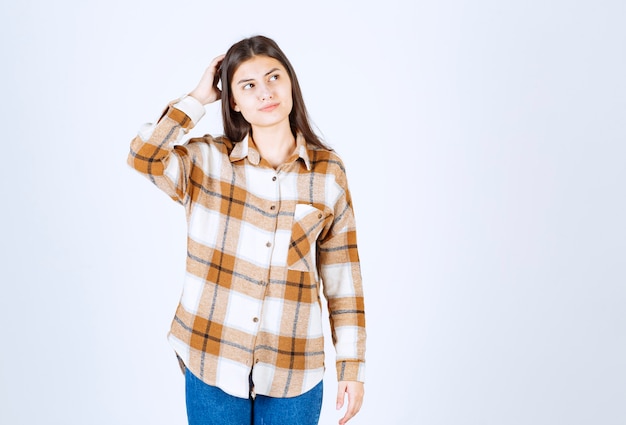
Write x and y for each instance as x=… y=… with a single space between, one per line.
x=262 y=243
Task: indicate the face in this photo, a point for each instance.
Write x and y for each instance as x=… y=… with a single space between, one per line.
x=261 y=91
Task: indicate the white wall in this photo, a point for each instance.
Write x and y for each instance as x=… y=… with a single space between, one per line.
x=485 y=146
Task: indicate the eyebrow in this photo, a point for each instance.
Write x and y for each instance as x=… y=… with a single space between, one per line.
x=245 y=80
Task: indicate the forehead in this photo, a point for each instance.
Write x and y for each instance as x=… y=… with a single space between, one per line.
x=256 y=66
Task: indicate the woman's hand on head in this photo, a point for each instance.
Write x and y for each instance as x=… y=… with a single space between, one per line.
x=207 y=91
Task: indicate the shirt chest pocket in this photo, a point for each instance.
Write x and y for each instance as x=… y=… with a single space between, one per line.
x=308 y=223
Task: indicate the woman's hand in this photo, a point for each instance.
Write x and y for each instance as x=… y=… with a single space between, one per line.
x=355 y=391
x=207 y=91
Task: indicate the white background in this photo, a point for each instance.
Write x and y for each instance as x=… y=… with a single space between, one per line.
x=485 y=146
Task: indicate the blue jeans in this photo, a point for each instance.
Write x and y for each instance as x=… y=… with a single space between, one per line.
x=208 y=405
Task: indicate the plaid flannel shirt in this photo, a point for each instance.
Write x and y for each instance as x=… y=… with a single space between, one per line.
x=261 y=242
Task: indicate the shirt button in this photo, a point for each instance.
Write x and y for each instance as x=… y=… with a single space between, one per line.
x=268 y=244
x=319 y=216
x=273 y=207
x=255 y=320
x=256 y=361
x=274 y=178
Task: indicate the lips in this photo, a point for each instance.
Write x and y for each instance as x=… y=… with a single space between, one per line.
x=269 y=107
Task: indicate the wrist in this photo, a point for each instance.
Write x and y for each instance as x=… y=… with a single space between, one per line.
x=197 y=97
x=192 y=107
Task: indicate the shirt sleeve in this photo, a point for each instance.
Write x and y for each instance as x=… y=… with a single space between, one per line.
x=156 y=151
x=343 y=289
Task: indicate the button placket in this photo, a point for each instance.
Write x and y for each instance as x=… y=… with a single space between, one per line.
x=273 y=201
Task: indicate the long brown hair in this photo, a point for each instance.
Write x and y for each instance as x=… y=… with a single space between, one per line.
x=235 y=126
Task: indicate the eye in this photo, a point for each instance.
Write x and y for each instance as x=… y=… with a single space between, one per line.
x=248 y=86
x=274 y=77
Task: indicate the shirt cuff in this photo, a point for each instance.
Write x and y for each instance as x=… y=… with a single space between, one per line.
x=191 y=107
x=146 y=130
x=350 y=371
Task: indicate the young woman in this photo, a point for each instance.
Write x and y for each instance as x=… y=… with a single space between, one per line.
x=270 y=224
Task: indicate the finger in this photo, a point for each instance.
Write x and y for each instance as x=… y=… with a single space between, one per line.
x=341 y=394
x=217 y=62
x=216 y=70
x=349 y=415
x=345 y=419
x=352 y=409
x=355 y=401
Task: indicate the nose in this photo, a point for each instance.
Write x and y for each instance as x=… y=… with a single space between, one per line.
x=265 y=93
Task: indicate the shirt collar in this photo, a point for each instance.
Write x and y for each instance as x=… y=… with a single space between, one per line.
x=247 y=148
x=243 y=149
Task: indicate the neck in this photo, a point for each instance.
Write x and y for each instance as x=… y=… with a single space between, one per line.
x=275 y=144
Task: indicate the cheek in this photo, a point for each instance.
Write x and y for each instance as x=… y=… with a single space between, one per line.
x=238 y=104
x=290 y=101
x=246 y=111
x=288 y=94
